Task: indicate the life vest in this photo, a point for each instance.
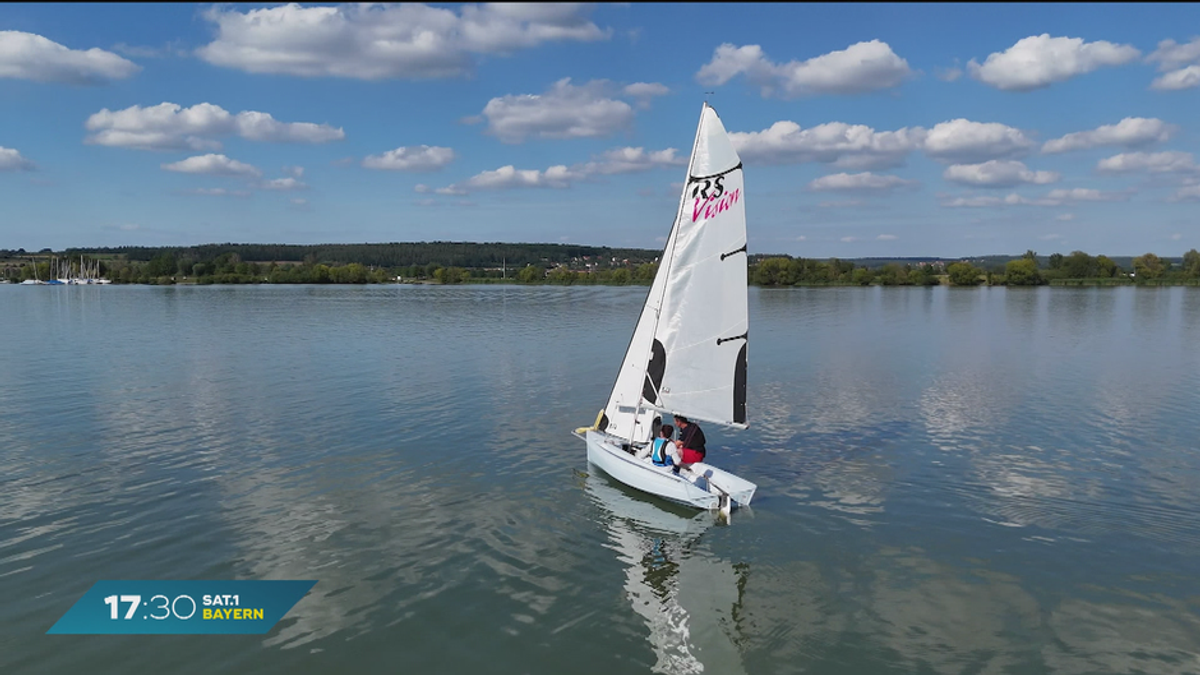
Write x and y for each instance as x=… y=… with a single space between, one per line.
x=659 y=455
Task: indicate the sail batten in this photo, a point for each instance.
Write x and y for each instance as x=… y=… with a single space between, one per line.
x=688 y=351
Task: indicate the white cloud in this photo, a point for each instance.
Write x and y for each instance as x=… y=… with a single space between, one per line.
x=843 y=145
x=840 y=204
x=300 y=202
x=217 y=165
x=985 y=201
x=172 y=48
x=1130 y=132
x=1153 y=162
x=997 y=173
x=948 y=74
x=632 y=160
x=415 y=158
x=260 y=126
x=644 y=91
x=1065 y=217
x=1063 y=196
x=26 y=56
x=217 y=192
x=168 y=126
x=564 y=111
x=1057 y=197
x=1176 y=237
x=1187 y=193
x=294 y=171
x=861 y=67
x=857 y=146
x=1181 y=63
x=887 y=237
x=374 y=42
x=283 y=185
x=1040 y=60
x=963 y=141
x=1171 y=55
x=615 y=161
x=849 y=239
x=866 y=181
x=507 y=177
x=1184 y=78
x=11 y=160
x=1051 y=237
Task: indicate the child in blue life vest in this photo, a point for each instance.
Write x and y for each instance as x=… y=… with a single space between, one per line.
x=664 y=452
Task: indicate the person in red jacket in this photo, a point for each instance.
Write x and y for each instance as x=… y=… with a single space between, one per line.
x=691 y=441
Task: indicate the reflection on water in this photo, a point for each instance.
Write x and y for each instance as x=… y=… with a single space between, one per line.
x=982 y=480
x=687 y=597
x=1121 y=637
x=945 y=619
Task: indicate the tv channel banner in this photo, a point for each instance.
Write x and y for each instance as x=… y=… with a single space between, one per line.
x=181 y=607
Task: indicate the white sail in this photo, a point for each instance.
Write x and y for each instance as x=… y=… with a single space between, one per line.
x=688 y=352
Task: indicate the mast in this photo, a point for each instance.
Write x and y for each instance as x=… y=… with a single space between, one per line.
x=688 y=351
x=630 y=382
x=668 y=260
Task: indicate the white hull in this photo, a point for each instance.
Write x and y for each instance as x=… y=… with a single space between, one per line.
x=701 y=489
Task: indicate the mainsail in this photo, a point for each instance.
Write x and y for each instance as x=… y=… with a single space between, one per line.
x=688 y=351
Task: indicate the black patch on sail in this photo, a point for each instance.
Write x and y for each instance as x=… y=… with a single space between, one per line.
x=603 y=423
x=654 y=372
x=739 y=387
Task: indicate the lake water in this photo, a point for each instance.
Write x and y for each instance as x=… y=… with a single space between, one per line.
x=950 y=481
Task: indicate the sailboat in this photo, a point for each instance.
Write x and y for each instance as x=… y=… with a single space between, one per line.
x=687 y=355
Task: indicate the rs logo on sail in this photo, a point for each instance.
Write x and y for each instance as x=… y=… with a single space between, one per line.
x=714 y=204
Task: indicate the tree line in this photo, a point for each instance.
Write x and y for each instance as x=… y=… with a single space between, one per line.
x=562 y=264
x=1077 y=268
x=468 y=255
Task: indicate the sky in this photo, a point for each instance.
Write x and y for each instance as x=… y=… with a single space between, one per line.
x=865 y=130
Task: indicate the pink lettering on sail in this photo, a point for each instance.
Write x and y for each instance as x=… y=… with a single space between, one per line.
x=713 y=205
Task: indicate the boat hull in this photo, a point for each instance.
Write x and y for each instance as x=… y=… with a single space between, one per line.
x=701 y=489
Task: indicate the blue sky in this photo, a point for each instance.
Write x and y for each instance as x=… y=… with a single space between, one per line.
x=865 y=130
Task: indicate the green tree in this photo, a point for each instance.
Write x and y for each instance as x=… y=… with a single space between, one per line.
x=448 y=275
x=619 y=276
x=862 y=276
x=818 y=271
x=775 y=272
x=1056 y=260
x=1148 y=266
x=963 y=274
x=922 y=277
x=1079 y=265
x=162 y=265
x=1191 y=263
x=530 y=274
x=1023 y=272
x=892 y=274
x=561 y=275
x=1106 y=267
x=646 y=271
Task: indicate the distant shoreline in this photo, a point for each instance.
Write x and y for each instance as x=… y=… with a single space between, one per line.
x=452 y=263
